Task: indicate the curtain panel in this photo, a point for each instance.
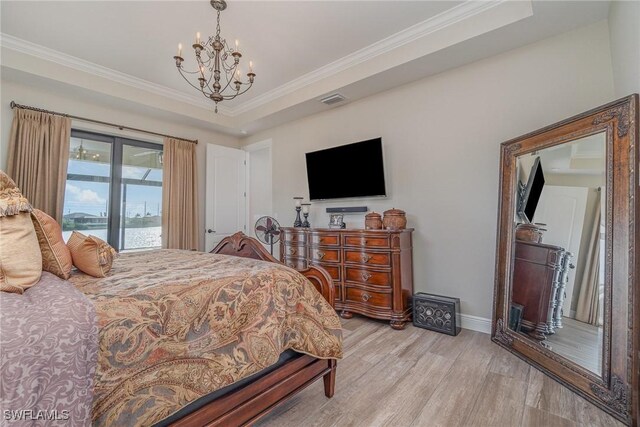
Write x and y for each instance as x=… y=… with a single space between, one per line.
x=179 y=195
x=38 y=158
x=589 y=309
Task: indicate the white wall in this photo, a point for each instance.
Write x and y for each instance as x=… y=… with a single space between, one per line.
x=22 y=94
x=624 y=30
x=441 y=138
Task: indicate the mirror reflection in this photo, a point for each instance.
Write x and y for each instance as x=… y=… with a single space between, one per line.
x=557 y=296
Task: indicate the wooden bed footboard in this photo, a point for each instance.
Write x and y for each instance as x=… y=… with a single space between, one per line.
x=255 y=400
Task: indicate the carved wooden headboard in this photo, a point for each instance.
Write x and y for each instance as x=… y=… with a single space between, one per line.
x=247 y=247
x=243 y=246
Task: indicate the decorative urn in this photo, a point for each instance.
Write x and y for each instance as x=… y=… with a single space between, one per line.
x=394 y=219
x=373 y=221
x=530 y=232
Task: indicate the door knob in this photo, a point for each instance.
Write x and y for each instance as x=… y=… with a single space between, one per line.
x=210 y=231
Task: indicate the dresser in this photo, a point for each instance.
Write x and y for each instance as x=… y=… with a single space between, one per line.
x=371 y=269
x=540 y=274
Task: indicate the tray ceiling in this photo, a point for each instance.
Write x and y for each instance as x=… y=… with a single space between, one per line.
x=301 y=50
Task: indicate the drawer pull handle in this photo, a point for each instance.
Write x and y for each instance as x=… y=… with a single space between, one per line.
x=365 y=276
x=364 y=241
x=366 y=297
x=366 y=258
x=320 y=255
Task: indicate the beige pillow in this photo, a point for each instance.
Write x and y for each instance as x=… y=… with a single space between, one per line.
x=90 y=254
x=56 y=257
x=12 y=202
x=20 y=258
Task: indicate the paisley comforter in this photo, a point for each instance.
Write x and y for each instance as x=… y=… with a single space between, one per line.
x=177 y=325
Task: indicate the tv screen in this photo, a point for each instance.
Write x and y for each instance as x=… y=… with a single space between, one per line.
x=533 y=191
x=353 y=170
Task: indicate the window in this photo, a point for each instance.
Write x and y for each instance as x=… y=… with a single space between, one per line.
x=114 y=190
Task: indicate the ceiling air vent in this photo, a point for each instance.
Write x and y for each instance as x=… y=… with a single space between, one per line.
x=332 y=99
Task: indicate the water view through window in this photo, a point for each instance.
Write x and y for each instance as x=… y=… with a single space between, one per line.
x=114 y=191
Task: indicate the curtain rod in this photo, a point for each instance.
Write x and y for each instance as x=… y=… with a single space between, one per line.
x=84 y=119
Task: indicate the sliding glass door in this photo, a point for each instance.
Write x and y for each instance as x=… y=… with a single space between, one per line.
x=114 y=190
x=141 y=197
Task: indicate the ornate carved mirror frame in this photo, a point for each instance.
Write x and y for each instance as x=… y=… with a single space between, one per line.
x=617 y=390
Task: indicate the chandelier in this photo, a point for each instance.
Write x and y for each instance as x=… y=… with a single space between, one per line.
x=215 y=58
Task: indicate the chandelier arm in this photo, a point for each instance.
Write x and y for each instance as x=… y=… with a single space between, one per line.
x=209 y=81
x=229 y=67
x=208 y=86
x=226 y=76
x=208 y=61
x=240 y=93
x=182 y=70
x=191 y=84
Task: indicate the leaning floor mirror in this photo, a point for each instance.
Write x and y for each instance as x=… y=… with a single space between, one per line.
x=567 y=298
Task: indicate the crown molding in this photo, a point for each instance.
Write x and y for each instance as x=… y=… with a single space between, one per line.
x=23 y=46
x=449 y=17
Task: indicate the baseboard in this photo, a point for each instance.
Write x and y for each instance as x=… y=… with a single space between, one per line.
x=475 y=323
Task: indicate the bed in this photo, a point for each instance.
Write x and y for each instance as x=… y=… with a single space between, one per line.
x=178 y=346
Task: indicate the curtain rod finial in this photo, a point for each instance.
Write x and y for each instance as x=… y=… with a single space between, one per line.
x=12 y=104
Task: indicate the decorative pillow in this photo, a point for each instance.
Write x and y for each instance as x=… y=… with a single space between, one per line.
x=20 y=257
x=90 y=254
x=56 y=257
x=12 y=202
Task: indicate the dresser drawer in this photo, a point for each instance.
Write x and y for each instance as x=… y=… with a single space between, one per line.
x=377 y=299
x=368 y=277
x=367 y=240
x=324 y=255
x=332 y=269
x=295 y=251
x=295 y=238
x=324 y=239
x=295 y=263
x=369 y=258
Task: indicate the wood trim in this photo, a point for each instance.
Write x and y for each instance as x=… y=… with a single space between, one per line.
x=246 y=405
x=252 y=402
x=616 y=391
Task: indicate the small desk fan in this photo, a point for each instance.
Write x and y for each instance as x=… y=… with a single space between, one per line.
x=267 y=231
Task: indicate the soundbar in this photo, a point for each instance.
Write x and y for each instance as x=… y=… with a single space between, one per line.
x=352 y=209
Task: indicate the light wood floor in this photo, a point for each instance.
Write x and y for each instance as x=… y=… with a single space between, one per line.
x=416 y=377
x=579 y=342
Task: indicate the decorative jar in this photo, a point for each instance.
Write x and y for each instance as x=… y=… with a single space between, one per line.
x=394 y=219
x=373 y=221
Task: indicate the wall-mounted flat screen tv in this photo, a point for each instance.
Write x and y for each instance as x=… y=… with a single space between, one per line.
x=532 y=192
x=353 y=170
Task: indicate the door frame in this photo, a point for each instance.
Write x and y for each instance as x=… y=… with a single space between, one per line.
x=257 y=146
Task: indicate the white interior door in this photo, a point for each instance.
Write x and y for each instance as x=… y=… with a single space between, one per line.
x=225 y=194
x=563 y=210
x=259 y=184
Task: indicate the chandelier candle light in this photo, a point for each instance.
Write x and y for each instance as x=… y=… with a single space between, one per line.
x=218 y=58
